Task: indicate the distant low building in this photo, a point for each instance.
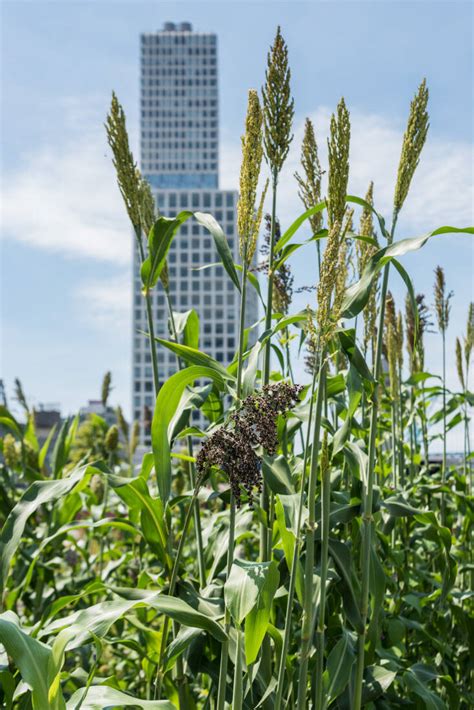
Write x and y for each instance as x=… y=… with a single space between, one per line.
x=46 y=418
x=95 y=406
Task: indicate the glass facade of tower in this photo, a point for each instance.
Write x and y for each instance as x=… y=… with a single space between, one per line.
x=180 y=159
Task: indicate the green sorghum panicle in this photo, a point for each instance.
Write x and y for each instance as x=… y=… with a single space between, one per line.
x=413 y=141
x=415 y=345
x=400 y=340
x=342 y=269
x=106 y=387
x=338 y=157
x=122 y=423
x=112 y=438
x=327 y=281
x=469 y=338
x=147 y=205
x=391 y=342
x=125 y=167
x=11 y=454
x=134 y=437
x=459 y=364
x=20 y=395
x=248 y=219
x=278 y=106
x=364 y=253
x=442 y=300
x=310 y=185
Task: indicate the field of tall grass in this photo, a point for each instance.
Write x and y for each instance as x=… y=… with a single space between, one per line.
x=297 y=546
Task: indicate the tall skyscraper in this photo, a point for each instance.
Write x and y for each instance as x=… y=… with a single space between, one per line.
x=180 y=159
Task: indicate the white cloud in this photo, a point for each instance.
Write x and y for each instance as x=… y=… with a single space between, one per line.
x=64 y=197
x=106 y=304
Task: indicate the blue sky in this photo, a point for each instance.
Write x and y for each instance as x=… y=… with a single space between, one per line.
x=66 y=245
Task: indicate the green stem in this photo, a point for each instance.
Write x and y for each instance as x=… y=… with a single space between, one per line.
x=243 y=295
x=368 y=501
x=320 y=633
x=237 y=692
x=308 y=596
x=443 y=472
x=191 y=467
x=149 y=314
x=264 y=498
x=295 y=560
x=172 y=585
x=221 y=691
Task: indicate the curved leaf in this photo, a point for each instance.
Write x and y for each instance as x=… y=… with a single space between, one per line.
x=100 y=697
x=222 y=246
x=167 y=403
x=357 y=295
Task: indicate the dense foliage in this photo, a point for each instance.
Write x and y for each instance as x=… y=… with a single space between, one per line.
x=298 y=547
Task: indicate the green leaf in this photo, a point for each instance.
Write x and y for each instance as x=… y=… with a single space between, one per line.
x=97 y=619
x=8 y=420
x=285 y=238
x=187 y=324
x=376 y=681
x=357 y=295
x=34 y=660
x=243 y=587
x=100 y=697
x=196 y=357
x=339 y=667
x=222 y=246
x=167 y=403
x=284 y=510
x=350 y=590
x=256 y=623
x=159 y=242
x=134 y=492
x=354 y=386
x=277 y=475
x=347 y=338
x=39 y=493
x=416 y=684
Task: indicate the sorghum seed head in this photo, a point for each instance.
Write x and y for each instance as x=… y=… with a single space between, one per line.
x=413 y=141
x=310 y=186
x=459 y=365
x=112 y=438
x=442 y=300
x=147 y=207
x=278 y=106
x=254 y=424
x=248 y=220
x=122 y=423
x=391 y=342
x=105 y=389
x=338 y=157
x=123 y=161
x=11 y=455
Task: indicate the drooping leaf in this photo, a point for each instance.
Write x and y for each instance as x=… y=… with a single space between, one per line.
x=103 y=697
x=167 y=402
x=357 y=295
x=222 y=246
x=256 y=623
x=159 y=242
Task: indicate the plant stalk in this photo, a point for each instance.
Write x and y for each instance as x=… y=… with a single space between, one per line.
x=308 y=596
x=294 y=562
x=368 y=500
